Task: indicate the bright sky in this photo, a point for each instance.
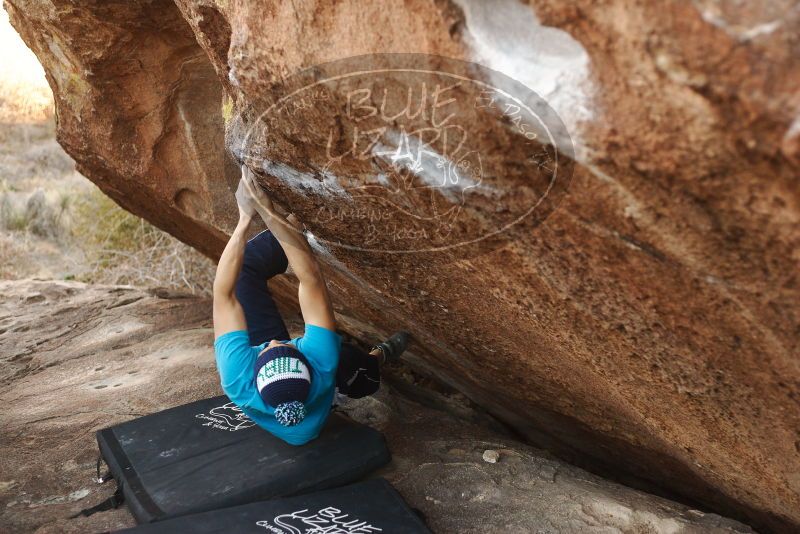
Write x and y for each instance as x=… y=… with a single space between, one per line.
x=17 y=63
x=25 y=96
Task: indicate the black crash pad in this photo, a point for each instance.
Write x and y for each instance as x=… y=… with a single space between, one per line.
x=364 y=508
x=208 y=455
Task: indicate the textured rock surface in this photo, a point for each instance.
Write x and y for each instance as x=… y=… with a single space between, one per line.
x=438 y=466
x=650 y=325
x=74 y=359
x=108 y=354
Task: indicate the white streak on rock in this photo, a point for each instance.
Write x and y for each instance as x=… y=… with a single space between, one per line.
x=232 y=78
x=794 y=129
x=506 y=36
x=761 y=29
x=712 y=12
x=432 y=168
x=305 y=182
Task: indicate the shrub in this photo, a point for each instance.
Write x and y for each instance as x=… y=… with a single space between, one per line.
x=124 y=249
x=39 y=215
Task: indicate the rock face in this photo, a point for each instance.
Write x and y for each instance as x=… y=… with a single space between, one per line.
x=108 y=354
x=644 y=319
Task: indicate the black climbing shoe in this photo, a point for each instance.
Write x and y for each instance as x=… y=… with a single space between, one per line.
x=393 y=347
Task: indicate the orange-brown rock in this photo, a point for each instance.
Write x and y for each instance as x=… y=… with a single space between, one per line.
x=649 y=325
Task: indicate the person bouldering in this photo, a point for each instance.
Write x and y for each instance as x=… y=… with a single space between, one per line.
x=286 y=386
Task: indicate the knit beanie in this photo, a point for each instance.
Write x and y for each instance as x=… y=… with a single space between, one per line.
x=283 y=379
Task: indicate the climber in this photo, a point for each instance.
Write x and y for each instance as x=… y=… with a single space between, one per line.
x=286 y=386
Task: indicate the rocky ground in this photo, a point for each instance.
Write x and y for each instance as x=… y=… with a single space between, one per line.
x=77 y=358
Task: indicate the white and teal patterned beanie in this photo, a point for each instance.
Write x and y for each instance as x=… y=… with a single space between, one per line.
x=283 y=379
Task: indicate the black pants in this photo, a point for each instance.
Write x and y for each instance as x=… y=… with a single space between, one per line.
x=358 y=374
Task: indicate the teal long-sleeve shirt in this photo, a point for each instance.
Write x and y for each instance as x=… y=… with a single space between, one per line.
x=236 y=360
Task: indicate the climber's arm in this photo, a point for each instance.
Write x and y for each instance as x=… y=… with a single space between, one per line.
x=228 y=312
x=312 y=292
x=315 y=302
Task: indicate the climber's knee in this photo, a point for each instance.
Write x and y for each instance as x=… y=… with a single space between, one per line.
x=264 y=256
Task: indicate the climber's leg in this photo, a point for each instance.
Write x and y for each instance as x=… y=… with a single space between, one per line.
x=358 y=374
x=263 y=259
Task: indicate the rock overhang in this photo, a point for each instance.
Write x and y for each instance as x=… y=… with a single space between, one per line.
x=649 y=324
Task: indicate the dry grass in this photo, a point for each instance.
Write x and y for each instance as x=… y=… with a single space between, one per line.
x=124 y=249
x=25 y=97
x=23 y=104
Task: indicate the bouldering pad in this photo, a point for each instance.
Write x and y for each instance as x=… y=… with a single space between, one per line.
x=363 y=508
x=208 y=455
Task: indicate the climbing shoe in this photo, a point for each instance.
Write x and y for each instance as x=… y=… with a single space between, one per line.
x=393 y=347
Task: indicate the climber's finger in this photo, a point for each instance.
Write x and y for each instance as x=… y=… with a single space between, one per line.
x=251 y=185
x=257 y=193
x=295 y=222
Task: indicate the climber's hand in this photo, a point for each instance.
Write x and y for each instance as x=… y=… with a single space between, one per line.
x=262 y=202
x=295 y=222
x=247 y=206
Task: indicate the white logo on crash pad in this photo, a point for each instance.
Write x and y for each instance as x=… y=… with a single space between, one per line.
x=328 y=520
x=227 y=417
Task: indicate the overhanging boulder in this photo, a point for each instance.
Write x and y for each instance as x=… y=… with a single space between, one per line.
x=649 y=324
